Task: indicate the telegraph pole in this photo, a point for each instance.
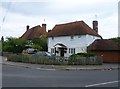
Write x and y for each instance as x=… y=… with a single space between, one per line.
x=2 y=40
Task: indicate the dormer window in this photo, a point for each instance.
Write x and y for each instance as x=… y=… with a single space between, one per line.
x=72 y=37
x=79 y=36
x=52 y=38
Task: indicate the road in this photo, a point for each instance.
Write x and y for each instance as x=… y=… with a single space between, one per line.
x=14 y=76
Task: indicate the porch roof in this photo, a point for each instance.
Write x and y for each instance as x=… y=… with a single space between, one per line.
x=59 y=45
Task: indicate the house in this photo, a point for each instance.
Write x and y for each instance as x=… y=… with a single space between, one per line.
x=108 y=49
x=34 y=32
x=70 y=38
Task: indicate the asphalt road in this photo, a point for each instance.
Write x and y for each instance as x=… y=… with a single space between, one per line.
x=14 y=76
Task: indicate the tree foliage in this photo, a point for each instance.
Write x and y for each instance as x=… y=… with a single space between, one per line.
x=17 y=45
x=0 y=47
x=117 y=39
x=40 y=42
x=14 y=45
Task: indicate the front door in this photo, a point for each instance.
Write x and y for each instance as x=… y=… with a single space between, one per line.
x=62 y=52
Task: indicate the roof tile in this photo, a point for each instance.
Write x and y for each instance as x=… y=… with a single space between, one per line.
x=104 y=44
x=34 y=32
x=73 y=28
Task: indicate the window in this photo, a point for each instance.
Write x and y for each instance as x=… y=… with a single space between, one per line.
x=72 y=37
x=52 y=38
x=79 y=36
x=52 y=50
x=72 y=50
x=69 y=50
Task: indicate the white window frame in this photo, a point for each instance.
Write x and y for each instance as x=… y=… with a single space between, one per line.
x=52 y=50
x=72 y=50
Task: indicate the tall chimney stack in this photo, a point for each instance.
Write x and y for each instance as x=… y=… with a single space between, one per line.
x=27 y=27
x=95 y=25
x=44 y=28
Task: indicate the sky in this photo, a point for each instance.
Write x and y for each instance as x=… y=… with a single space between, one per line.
x=15 y=15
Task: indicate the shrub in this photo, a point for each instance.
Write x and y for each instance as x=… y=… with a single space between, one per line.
x=86 y=54
x=84 y=59
x=25 y=54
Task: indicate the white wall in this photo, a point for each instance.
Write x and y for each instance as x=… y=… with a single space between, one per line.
x=80 y=42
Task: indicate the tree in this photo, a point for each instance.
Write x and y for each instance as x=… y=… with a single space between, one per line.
x=36 y=46
x=14 y=45
x=117 y=39
x=0 y=47
x=40 y=43
x=17 y=45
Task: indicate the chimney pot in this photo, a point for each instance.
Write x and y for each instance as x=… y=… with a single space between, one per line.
x=27 y=27
x=49 y=30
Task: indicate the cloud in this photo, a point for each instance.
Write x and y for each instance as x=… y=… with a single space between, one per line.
x=56 y=7
x=109 y=26
x=119 y=19
x=31 y=13
x=15 y=23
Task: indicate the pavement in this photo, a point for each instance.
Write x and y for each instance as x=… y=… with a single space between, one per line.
x=104 y=66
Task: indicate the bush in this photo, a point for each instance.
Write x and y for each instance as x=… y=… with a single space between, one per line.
x=75 y=56
x=25 y=54
x=86 y=54
x=84 y=59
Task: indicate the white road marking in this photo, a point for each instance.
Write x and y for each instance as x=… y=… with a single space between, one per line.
x=101 y=84
x=38 y=68
x=44 y=69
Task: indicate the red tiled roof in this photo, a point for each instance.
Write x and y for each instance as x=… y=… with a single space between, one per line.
x=34 y=32
x=103 y=44
x=73 y=28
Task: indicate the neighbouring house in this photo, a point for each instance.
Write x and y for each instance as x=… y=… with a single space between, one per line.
x=34 y=32
x=70 y=38
x=108 y=49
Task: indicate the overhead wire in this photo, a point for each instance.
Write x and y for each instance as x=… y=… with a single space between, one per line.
x=4 y=17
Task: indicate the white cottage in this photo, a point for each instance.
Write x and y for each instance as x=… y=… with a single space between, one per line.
x=70 y=38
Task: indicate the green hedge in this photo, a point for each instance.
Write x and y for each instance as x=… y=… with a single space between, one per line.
x=84 y=59
x=83 y=55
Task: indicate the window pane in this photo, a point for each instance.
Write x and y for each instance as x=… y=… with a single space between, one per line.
x=52 y=38
x=74 y=50
x=52 y=50
x=69 y=50
x=72 y=37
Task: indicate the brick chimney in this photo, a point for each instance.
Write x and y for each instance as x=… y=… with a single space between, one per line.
x=27 y=27
x=95 y=25
x=44 y=28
